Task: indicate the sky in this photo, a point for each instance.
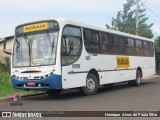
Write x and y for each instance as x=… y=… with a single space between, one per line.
x=94 y=12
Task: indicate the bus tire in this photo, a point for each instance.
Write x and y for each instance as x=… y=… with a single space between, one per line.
x=138 y=80
x=91 y=85
x=54 y=92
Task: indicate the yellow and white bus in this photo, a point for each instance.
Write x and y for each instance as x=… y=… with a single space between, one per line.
x=58 y=54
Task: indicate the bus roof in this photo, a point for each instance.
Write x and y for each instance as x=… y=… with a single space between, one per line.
x=102 y=29
x=65 y=21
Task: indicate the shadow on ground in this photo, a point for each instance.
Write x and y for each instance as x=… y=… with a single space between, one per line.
x=75 y=94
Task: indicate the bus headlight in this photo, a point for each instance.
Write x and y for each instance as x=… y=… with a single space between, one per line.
x=49 y=74
x=45 y=76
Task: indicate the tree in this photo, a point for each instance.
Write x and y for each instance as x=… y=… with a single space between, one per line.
x=157 y=51
x=157 y=44
x=157 y=47
x=125 y=21
x=4 y=64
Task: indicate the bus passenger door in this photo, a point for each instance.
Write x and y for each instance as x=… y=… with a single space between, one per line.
x=71 y=47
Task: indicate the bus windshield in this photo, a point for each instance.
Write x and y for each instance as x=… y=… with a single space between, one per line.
x=35 y=49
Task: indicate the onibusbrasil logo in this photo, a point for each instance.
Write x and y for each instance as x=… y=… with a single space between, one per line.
x=16 y=100
x=16 y=97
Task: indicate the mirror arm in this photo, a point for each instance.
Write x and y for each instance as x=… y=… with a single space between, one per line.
x=9 y=53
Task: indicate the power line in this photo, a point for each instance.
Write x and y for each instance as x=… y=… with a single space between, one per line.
x=157 y=1
x=152 y=11
x=144 y=1
x=154 y=5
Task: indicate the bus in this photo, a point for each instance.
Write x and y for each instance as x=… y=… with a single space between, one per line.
x=58 y=54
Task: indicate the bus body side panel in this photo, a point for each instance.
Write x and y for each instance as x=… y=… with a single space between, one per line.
x=148 y=66
x=117 y=76
x=106 y=65
x=72 y=80
x=75 y=77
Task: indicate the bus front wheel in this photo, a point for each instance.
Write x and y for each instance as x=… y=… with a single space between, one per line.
x=91 y=85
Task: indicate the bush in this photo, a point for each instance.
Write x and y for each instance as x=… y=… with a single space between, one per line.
x=5 y=65
x=6 y=89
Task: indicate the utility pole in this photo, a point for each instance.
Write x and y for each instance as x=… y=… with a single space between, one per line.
x=137 y=18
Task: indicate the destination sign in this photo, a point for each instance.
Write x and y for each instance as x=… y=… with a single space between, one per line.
x=35 y=27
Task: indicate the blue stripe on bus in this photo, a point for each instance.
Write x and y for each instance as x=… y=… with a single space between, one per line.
x=52 y=82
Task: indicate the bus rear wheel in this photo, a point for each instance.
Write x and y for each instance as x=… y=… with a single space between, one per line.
x=91 y=85
x=54 y=92
x=138 y=80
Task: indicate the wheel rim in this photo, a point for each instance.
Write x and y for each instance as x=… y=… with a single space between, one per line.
x=139 y=79
x=90 y=85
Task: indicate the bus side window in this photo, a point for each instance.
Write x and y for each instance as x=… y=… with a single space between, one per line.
x=104 y=43
x=92 y=43
x=146 y=47
x=64 y=48
x=130 y=46
x=151 y=49
x=119 y=44
x=71 y=45
x=139 y=48
x=107 y=43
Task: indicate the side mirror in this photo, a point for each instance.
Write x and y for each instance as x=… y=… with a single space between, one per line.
x=4 y=48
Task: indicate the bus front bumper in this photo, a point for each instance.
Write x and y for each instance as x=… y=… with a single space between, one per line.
x=52 y=82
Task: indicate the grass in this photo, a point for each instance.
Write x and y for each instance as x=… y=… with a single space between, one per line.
x=6 y=89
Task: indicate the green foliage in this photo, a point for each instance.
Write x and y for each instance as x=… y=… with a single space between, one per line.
x=157 y=48
x=157 y=44
x=126 y=21
x=6 y=89
x=5 y=64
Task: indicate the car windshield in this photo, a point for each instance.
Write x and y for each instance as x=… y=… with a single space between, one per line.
x=35 y=49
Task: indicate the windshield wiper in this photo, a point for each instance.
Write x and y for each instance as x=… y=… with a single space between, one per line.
x=26 y=40
x=29 y=44
x=17 y=41
x=48 y=38
x=51 y=42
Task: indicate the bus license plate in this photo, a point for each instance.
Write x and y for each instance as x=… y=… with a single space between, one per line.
x=31 y=83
